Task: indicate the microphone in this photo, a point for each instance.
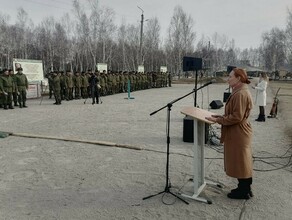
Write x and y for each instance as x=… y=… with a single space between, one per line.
x=211 y=82
x=206 y=84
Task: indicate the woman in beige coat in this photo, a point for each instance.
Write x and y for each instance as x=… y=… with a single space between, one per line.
x=236 y=134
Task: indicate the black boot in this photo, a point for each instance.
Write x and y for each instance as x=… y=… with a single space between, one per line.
x=24 y=106
x=10 y=106
x=243 y=191
x=261 y=118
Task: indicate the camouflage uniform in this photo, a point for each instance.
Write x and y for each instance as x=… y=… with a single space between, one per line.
x=50 y=82
x=57 y=88
x=63 y=91
x=14 y=87
x=84 y=85
x=22 y=86
x=6 y=87
x=69 y=84
x=77 y=84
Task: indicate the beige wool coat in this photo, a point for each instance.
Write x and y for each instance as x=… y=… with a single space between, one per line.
x=236 y=134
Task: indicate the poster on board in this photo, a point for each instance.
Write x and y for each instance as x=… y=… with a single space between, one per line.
x=33 y=69
x=101 y=67
x=140 y=69
x=163 y=69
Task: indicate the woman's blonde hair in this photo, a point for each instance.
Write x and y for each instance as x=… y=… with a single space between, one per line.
x=264 y=76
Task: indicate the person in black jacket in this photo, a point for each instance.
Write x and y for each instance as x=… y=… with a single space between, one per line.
x=94 y=87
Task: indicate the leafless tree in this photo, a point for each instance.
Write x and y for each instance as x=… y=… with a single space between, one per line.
x=289 y=37
x=273 y=48
x=151 y=45
x=180 y=41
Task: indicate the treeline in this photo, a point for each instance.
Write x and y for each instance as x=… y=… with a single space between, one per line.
x=81 y=39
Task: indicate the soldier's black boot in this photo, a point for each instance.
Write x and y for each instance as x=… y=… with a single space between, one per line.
x=10 y=106
x=20 y=105
x=24 y=106
x=5 y=107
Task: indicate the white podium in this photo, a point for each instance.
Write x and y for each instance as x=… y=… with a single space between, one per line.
x=199 y=182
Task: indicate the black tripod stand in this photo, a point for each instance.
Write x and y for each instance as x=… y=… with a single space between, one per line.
x=169 y=105
x=167 y=185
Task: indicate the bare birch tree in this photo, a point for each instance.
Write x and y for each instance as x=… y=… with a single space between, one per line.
x=180 y=41
x=151 y=45
x=289 y=37
x=273 y=48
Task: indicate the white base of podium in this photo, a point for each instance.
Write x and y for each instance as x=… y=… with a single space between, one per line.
x=196 y=196
x=199 y=182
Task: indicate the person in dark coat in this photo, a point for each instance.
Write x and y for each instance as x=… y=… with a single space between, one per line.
x=236 y=134
x=94 y=87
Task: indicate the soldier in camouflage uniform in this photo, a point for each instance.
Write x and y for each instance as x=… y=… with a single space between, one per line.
x=126 y=78
x=114 y=83
x=50 y=82
x=22 y=86
x=84 y=85
x=1 y=94
x=57 y=88
x=6 y=87
x=14 y=87
x=169 y=76
x=63 y=85
x=77 y=84
x=69 y=84
x=102 y=84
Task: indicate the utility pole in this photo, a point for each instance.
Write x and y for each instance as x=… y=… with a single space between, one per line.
x=141 y=37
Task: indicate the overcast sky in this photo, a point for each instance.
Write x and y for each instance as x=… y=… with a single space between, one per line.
x=241 y=20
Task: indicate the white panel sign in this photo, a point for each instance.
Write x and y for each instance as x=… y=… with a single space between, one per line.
x=163 y=69
x=33 y=69
x=34 y=91
x=101 y=67
x=141 y=69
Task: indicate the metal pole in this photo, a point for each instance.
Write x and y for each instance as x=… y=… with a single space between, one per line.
x=141 y=36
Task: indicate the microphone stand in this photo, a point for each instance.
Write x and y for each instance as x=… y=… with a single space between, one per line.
x=169 y=105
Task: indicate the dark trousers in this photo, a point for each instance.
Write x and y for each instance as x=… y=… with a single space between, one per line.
x=22 y=97
x=14 y=95
x=95 y=95
x=262 y=110
x=7 y=100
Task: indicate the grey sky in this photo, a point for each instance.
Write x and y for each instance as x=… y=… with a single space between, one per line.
x=242 y=20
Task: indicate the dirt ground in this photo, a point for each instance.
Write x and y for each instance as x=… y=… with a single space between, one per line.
x=43 y=178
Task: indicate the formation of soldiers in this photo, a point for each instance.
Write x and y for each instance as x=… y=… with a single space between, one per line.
x=69 y=86
x=13 y=89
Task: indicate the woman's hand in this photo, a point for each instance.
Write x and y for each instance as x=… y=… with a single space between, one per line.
x=213 y=119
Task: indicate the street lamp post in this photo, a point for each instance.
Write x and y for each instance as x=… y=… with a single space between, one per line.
x=141 y=37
